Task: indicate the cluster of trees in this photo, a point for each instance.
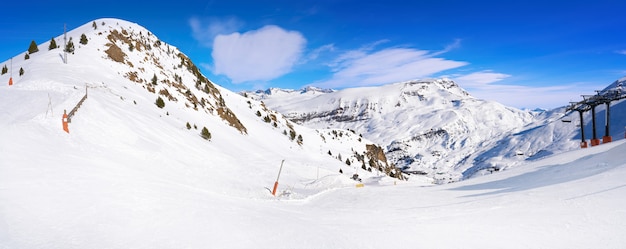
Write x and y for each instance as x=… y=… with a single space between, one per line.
x=33 y=48
x=6 y=70
x=204 y=133
x=69 y=47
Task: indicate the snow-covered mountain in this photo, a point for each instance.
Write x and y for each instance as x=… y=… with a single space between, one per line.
x=125 y=71
x=432 y=127
x=132 y=175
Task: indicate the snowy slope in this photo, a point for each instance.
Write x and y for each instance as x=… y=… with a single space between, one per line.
x=131 y=175
x=572 y=200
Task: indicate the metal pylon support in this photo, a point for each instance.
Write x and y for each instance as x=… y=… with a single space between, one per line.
x=583 y=142
x=590 y=102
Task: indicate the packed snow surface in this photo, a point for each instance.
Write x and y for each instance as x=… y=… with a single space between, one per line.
x=131 y=175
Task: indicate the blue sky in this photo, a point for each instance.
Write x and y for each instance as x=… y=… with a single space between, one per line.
x=524 y=54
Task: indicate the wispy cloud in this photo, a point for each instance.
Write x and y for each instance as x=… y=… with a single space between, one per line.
x=452 y=46
x=621 y=52
x=367 y=66
x=316 y=52
x=534 y=97
x=480 y=79
x=205 y=30
x=486 y=85
x=257 y=55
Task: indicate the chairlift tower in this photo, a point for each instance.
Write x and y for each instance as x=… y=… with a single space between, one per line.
x=590 y=102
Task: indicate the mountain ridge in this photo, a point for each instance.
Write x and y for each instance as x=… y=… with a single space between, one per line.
x=433 y=127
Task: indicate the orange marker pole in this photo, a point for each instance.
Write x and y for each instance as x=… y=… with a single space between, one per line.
x=275 y=187
x=276 y=183
x=11 y=78
x=64 y=121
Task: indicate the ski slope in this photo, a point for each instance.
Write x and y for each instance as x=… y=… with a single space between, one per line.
x=572 y=200
x=131 y=175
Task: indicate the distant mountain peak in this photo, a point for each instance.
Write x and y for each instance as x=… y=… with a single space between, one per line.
x=429 y=126
x=315 y=89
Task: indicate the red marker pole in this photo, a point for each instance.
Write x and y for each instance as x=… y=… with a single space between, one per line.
x=65 y=128
x=276 y=183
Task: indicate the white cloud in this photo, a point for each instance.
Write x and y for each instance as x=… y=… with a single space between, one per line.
x=204 y=31
x=363 y=67
x=621 y=52
x=480 y=79
x=262 y=54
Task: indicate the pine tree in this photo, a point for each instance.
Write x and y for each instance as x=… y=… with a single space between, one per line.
x=26 y=56
x=21 y=71
x=160 y=103
x=154 y=80
x=94 y=25
x=292 y=135
x=300 y=139
x=33 y=47
x=83 y=39
x=348 y=161
x=70 y=46
x=53 y=44
x=205 y=133
x=5 y=69
x=188 y=126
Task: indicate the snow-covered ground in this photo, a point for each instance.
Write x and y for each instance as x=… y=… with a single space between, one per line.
x=76 y=200
x=131 y=175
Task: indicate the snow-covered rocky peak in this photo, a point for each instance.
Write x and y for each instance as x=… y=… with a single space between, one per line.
x=312 y=89
x=285 y=94
x=161 y=68
x=431 y=127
